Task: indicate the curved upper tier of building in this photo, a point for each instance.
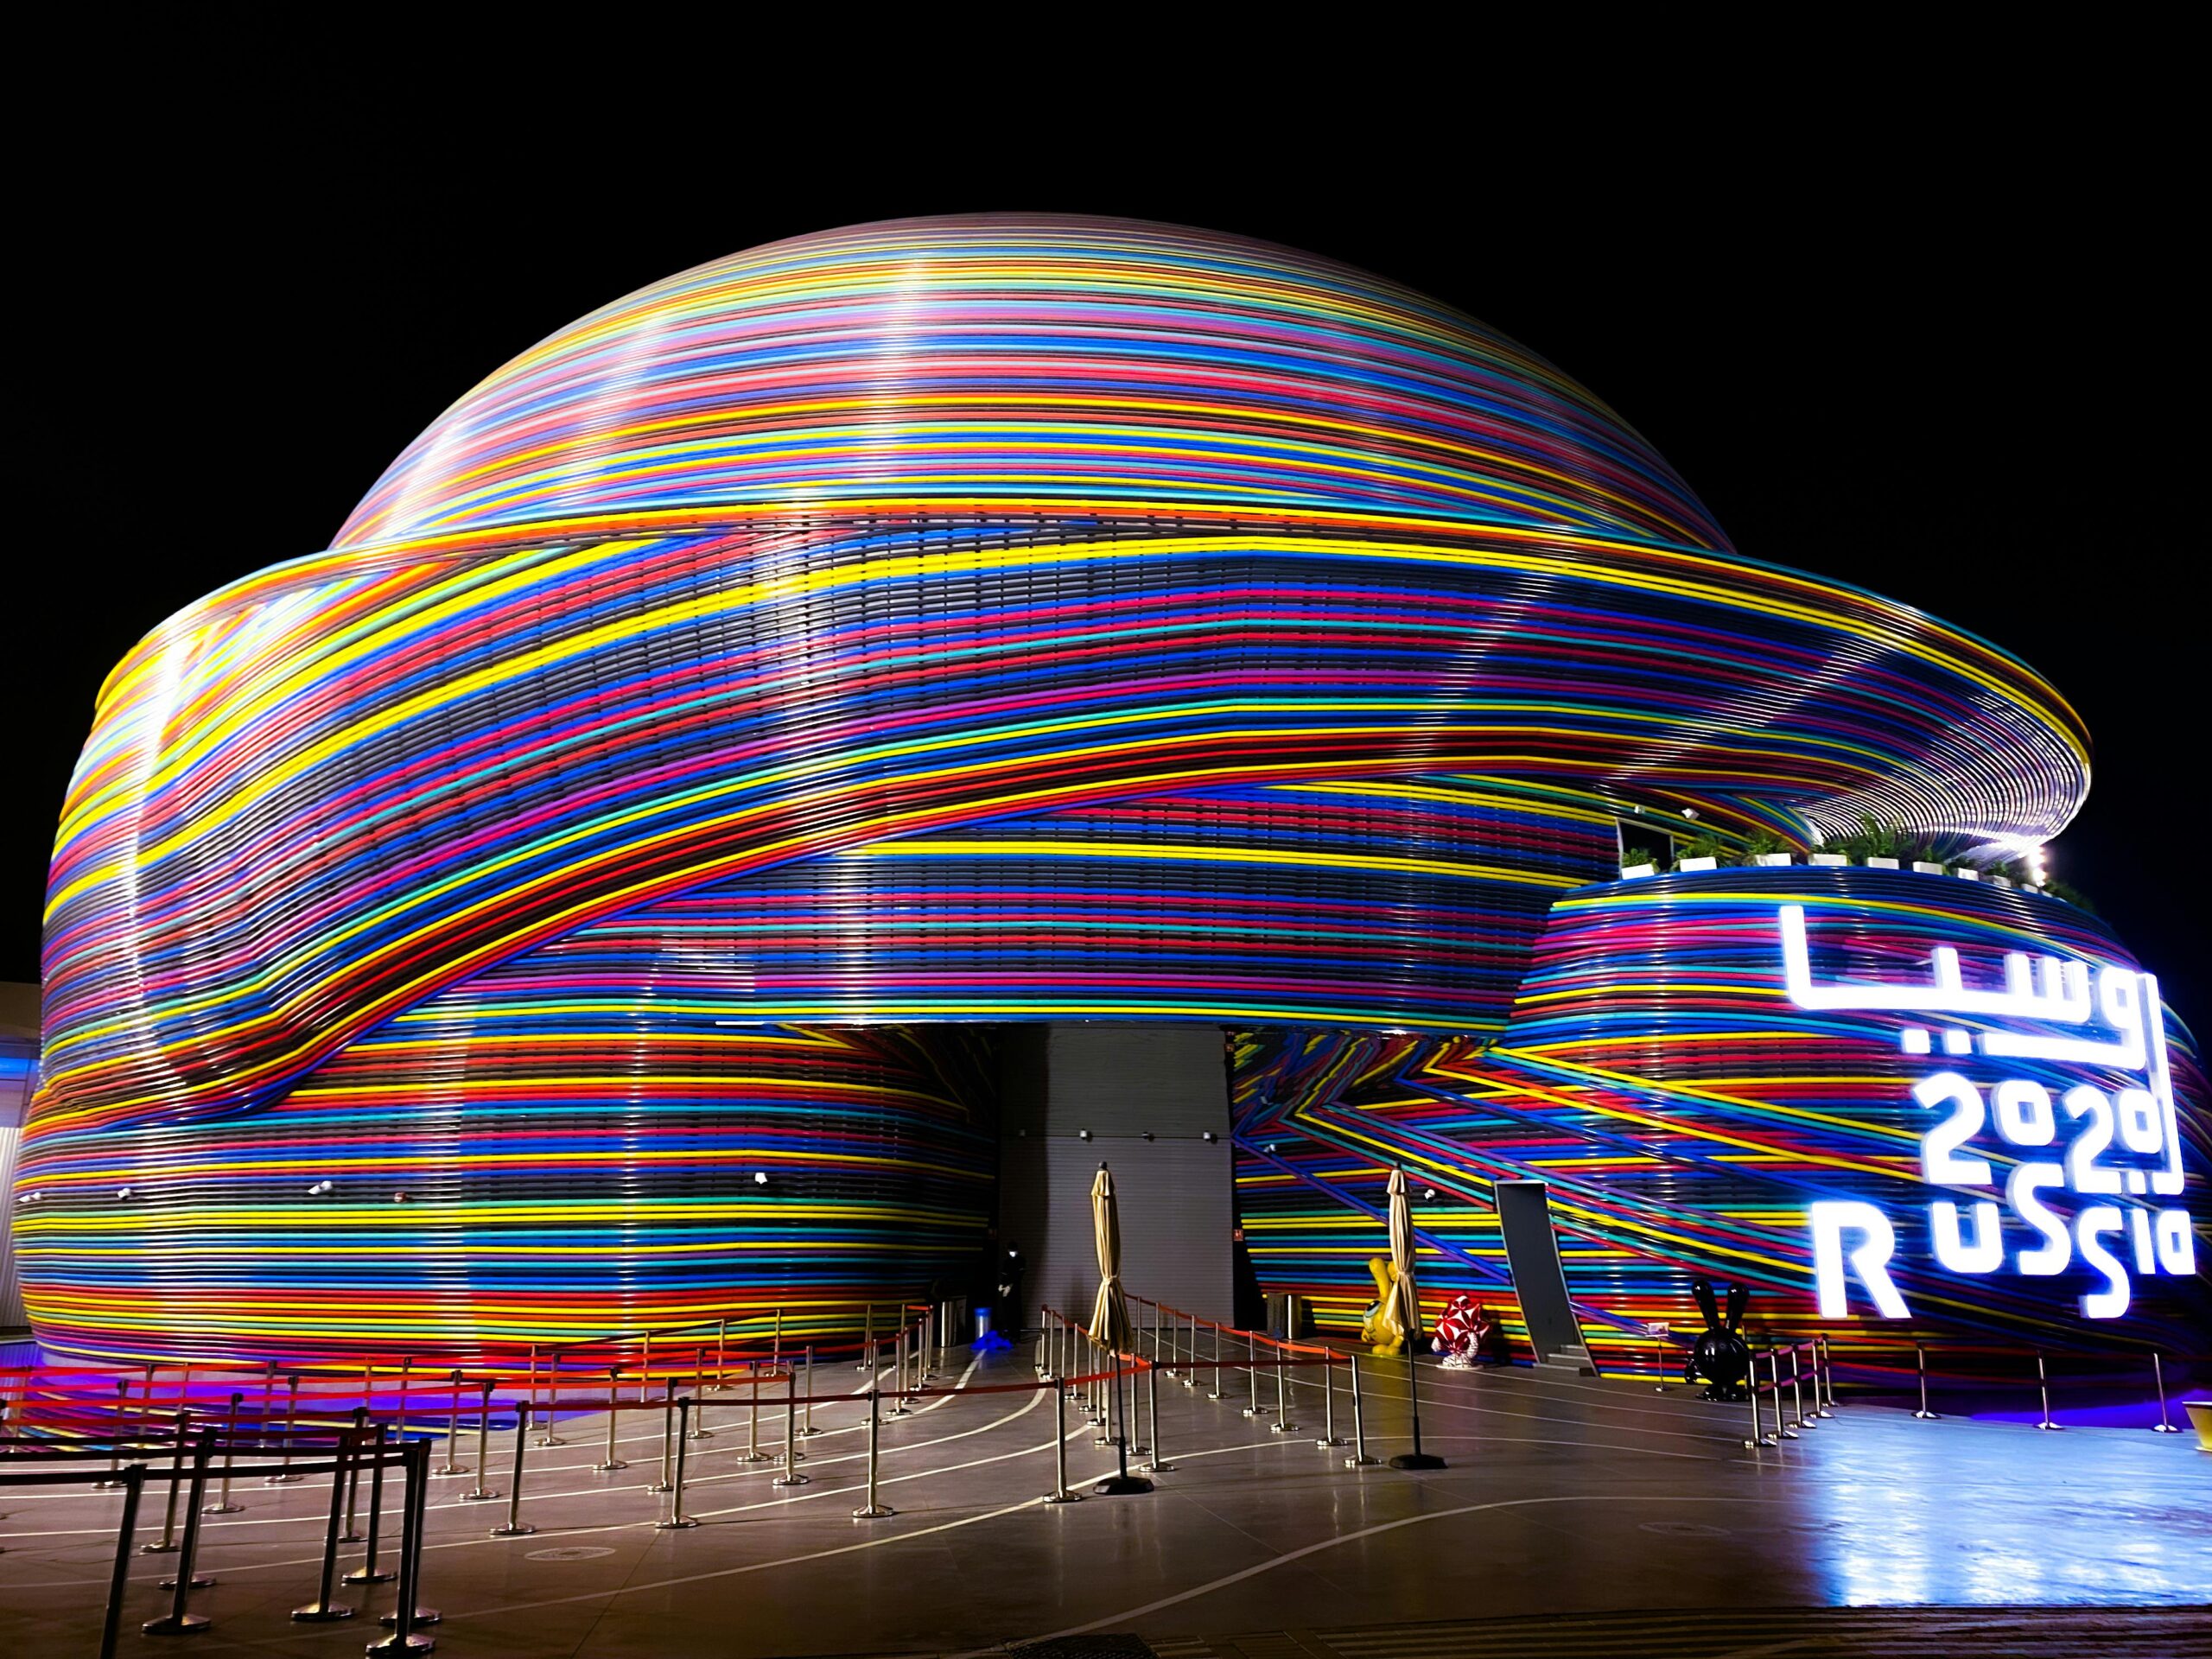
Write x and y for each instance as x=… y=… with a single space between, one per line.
x=1043 y=364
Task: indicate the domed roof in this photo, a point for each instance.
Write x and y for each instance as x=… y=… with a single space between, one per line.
x=1031 y=363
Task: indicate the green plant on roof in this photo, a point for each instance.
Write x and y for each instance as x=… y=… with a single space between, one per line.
x=1764 y=843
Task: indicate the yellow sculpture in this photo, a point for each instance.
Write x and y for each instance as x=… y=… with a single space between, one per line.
x=1384 y=1332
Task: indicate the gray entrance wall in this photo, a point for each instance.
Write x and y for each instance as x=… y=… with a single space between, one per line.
x=1176 y=1190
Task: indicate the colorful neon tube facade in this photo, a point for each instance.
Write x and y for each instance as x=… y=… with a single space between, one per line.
x=737 y=704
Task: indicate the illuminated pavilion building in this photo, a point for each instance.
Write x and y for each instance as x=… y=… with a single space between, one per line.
x=592 y=894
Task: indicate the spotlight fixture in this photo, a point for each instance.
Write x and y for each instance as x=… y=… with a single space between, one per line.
x=122 y=1191
x=1689 y=813
x=1427 y=1194
x=760 y=1178
x=1083 y=1134
x=1210 y=1137
x=1149 y=1136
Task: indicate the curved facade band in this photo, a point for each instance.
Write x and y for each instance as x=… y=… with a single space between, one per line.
x=923 y=625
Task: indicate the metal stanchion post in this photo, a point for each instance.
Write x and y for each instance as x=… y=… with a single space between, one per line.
x=699 y=1429
x=613 y=1461
x=406 y=1364
x=868 y=1340
x=546 y=1435
x=753 y=1451
x=453 y=1424
x=351 y=1535
x=2164 y=1424
x=1823 y=1379
x=203 y=1453
x=1282 y=1423
x=114 y=1481
x=676 y=1520
x=415 y=1469
x=480 y=1493
x=1159 y=1463
x=1358 y=1423
x=721 y=1354
x=178 y=1621
x=2043 y=1392
x=1252 y=1408
x=644 y=1366
x=1773 y=1387
x=806 y=1425
x=1190 y=1372
x=1329 y=1403
x=284 y=1477
x=790 y=1477
x=222 y=1505
x=1060 y=1494
x=368 y=1571
x=1759 y=1437
x=134 y=1486
x=1214 y=1393
x=516 y=1526
x=775 y=1347
x=899 y=1387
x=268 y=1403
x=1920 y=1369
x=322 y=1610
x=667 y=1439
x=874 y=1510
x=166 y=1543
x=1798 y=1419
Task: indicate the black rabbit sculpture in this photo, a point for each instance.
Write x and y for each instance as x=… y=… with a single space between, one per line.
x=1720 y=1357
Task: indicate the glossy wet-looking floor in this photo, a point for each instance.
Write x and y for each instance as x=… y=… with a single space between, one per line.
x=1563 y=1495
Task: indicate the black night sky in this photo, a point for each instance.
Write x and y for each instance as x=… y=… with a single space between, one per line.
x=1941 y=351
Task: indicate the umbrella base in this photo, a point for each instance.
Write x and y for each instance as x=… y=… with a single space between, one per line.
x=1121 y=1485
x=1417 y=1460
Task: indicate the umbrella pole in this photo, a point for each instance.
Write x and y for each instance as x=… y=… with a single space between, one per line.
x=1416 y=1458
x=1121 y=1485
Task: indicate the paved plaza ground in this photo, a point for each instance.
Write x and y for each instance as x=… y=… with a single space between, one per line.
x=1625 y=1513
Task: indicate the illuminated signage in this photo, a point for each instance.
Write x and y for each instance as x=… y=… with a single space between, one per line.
x=2122 y=1145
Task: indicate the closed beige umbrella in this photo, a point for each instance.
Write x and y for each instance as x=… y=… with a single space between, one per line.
x=1404 y=1312
x=1402 y=1315
x=1110 y=1321
x=1110 y=1314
